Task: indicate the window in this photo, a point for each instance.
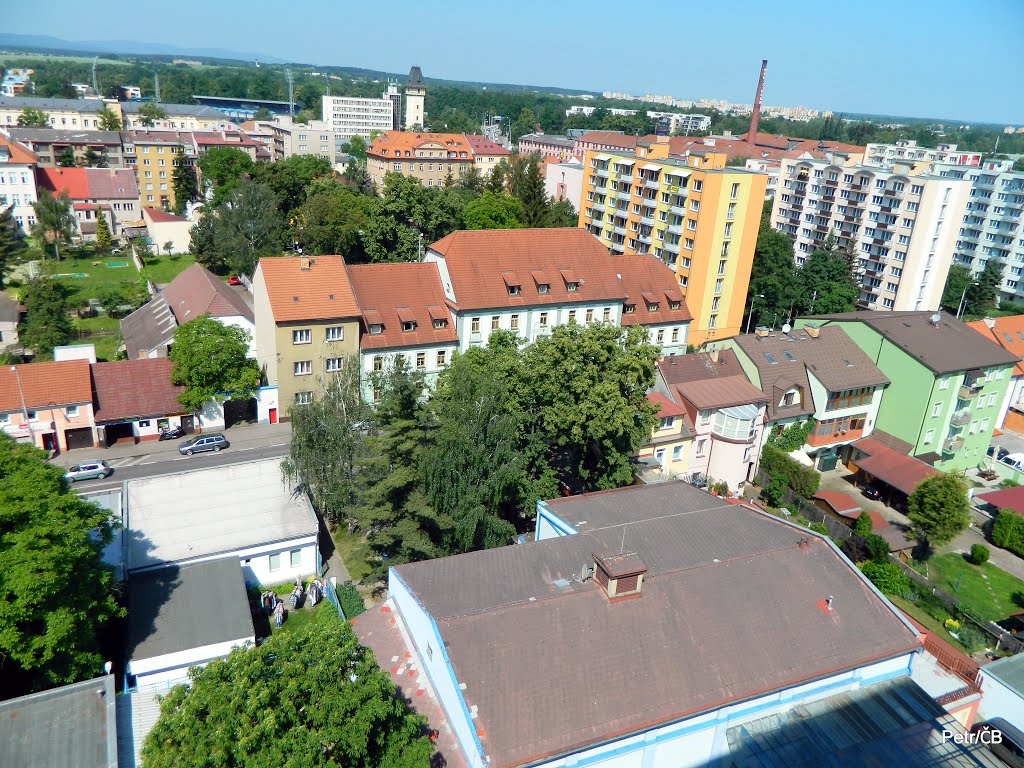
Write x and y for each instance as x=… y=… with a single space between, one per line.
x=378 y=363
x=474 y=325
x=543 y=321
x=543 y=287
x=849 y=397
x=275 y=562
x=333 y=364
x=929 y=436
x=702 y=446
x=513 y=290
x=731 y=212
x=421 y=360
x=442 y=358
x=334 y=333
x=675 y=335
x=666 y=422
x=944 y=383
x=514 y=322
x=677 y=452
x=606 y=315
x=408 y=325
x=302 y=336
x=935 y=409
x=590 y=315
x=734 y=194
x=495 y=322
x=303 y=367
x=572 y=287
x=72 y=411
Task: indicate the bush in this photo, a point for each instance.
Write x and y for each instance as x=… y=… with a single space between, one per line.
x=351 y=601
x=979 y=554
x=973 y=638
x=819 y=528
x=803 y=480
x=862 y=527
x=775 y=489
x=855 y=549
x=794 y=436
x=1008 y=531
x=888 y=577
x=877 y=547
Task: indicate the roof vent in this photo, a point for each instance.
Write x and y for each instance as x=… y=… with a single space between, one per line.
x=812 y=330
x=761 y=331
x=713 y=354
x=989 y=323
x=620 y=575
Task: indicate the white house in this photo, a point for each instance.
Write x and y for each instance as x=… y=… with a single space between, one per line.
x=622 y=637
x=1003 y=684
x=18 y=183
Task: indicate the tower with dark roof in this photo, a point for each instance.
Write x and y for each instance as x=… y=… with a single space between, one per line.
x=415 y=95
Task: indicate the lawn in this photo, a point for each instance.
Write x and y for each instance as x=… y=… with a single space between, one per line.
x=359 y=559
x=85 y=277
x=986 y=590
x=162 y=269
x=293 y=619
x=103 y=331
x=927 y=622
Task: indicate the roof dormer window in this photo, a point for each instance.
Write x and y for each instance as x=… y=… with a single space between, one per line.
x=628 y=309
x=440 y=323
x=543 y=288
x=513 y=290
x=376 y=329
x=572 y=287
x=652 y=306
x=674 y=305
x=409 y=326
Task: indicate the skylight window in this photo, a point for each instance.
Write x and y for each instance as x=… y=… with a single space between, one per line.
x=770 y=358
x=789 y=356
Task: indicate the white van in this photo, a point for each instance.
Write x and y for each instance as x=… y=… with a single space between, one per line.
x=1015 y=460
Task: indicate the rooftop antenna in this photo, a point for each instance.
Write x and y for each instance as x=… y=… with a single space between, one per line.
x=291 y=92
x=622 y=546
x=156 y=86
x=95 y=87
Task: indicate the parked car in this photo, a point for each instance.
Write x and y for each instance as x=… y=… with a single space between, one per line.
x=233 y=280
x=203 y=443
x=997 y=452
x=1015 y=460
x=1004 y=739
x=872 y=492
x=88 y=470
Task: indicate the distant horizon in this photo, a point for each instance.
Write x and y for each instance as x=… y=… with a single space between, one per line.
x=817 y=55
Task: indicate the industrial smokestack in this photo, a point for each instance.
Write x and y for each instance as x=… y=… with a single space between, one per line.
x=755 y=113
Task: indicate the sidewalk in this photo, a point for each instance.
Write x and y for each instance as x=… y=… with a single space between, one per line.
x=242 y=435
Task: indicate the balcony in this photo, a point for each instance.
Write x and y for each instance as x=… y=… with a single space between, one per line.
x=961 y=418
x=953 y=444
x=678 y=210
x=651 y=183
x=967 y=393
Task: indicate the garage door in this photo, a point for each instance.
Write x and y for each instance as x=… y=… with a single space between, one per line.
x=78 y=438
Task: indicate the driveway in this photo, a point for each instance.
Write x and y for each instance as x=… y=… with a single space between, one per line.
x=1011 y=441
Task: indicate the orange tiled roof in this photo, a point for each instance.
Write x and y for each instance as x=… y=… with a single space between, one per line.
x=17 y=152
x=398 y=293
x=769 y=147
x=650 y=288
x=322 y=291
x=60 y=383
x=483 y=146
x=390 y=142
x=1007 y=332
x=484 y=264
x=90 y=183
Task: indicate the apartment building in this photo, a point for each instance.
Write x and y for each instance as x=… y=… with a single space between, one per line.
x=603 y=140
x=486 y=153
x=677 y=122
x=429 y=157
x=290 y=138
x=547 y=145
x=350 y=116
x=694 y=213
x=49 y=145
x=307 y=323
x=49 y=405
x=179 y=117
x=531 y=281
x=564 y=181
x=61 y=113
x=18 y=183
x=405 y=322
x=993 y=224
x=152 y=155
x=880 y=155
x=902 y=224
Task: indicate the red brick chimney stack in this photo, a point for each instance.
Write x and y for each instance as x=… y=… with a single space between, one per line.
x=755 y=113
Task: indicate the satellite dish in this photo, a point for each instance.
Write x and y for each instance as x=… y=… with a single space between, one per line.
x=786 y=328
x=935 y=318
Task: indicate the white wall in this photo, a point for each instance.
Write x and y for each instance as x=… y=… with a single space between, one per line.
x=19 y=190
x=564 y=181
x=999 y=701
x=266 y=400
x=211 y=417
x=173 y=667
x=530 y=328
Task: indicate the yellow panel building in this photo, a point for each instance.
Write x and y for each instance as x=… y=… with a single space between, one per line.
x=692 y=211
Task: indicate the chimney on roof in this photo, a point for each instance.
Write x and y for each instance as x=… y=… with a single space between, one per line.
x=304 y=263
x=812 y=330
x=761 y=331
x=989 y=323
x=713 y=354
x=620 y=575
x=755 y=113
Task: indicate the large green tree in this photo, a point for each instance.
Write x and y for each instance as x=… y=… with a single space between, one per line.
x=211 y=362
x=31 y=117
x=186 y=185
x=290 y=179
x=955 y=292
x=773 y=283
x=150 y=112
x=222 y=168
x=104 y=240
x=248 y=225
x=205 y=246
x=983 y=293
x=305 y=698
x=12 y=245
x=491 y=211
x=57 y=591
x=527 y=184
x=46 y=324
x=108 y=120
x=55 y=222
x=561 y=213
x=826 y=286
x=938 y=509
x=331 y=219
x=67 y=159
x=453 y=120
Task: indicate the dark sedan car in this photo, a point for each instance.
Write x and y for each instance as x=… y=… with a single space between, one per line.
x=872 y=492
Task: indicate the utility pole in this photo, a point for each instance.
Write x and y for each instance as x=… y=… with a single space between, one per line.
x=291 y=92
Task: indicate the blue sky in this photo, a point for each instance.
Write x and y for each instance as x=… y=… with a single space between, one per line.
x=958 y=60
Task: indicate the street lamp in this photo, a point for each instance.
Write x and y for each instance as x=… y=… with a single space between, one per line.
x=962 y=306
x=24 y=408
x=750 y=312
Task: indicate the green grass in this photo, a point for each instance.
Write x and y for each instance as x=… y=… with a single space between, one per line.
x=986 y=590
x=102 y=331
x=927 y=622
x=98 y=276
x=162 y=269
x=296 y=620
x=359 y=559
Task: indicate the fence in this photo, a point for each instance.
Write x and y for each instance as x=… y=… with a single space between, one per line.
x=331 y=593
x=838 y=531
x=952 y=661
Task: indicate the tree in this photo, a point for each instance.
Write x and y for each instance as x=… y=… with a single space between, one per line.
x=248 y=225
x=66 y=159
x=958 y=280
x=262 y=115
x=203 y=243
x=356 y=147
x=826 y=285
x=329 y=444
x=211 y=362
x=1018 y=164
x=222 y=168
x=938 y=509
x=983 y=294
x=290 y=179
x=309 y=697
x=773 y=283
x=55 y=223
x=186 y=186
x=12 y=245
x=150 y=112
x=491 y=211
x=93 y=159
x=524 y=124
x=453 y=120
x=472 y=180
x=108 y=120
x=862 y=527
x=103 y=239
x=31 y=117
x=57 y=590
x=330 y=221
x=561 y=214
x=46 y=323
x=979 y=554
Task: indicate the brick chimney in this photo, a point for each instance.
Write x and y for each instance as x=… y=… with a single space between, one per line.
x=619 y=574
x=755 y=113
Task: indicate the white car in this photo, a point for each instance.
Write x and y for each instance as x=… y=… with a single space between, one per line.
x=88 y=470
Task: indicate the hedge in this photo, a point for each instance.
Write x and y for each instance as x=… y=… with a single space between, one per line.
x=803 y=480
x=351 y=601
x=1008 y=531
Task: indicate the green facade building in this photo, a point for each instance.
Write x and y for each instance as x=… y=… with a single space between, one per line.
x=948 y=381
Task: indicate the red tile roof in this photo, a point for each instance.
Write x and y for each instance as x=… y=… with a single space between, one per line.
x=162 y=217
x=892 y=467
x=391 y=294
x=667 y=407
x=197 y=291
x=840 y=502
x=135 y=389
x=1006 y=498
x=90 y=183
x=608 y=139
x=768 y=148
x=651 y=289
x=483 y=146
x=1007 y=332
x=482 y=262
x=320 y=291
x=394 y=143
x=17 y=152
x=61 y=383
